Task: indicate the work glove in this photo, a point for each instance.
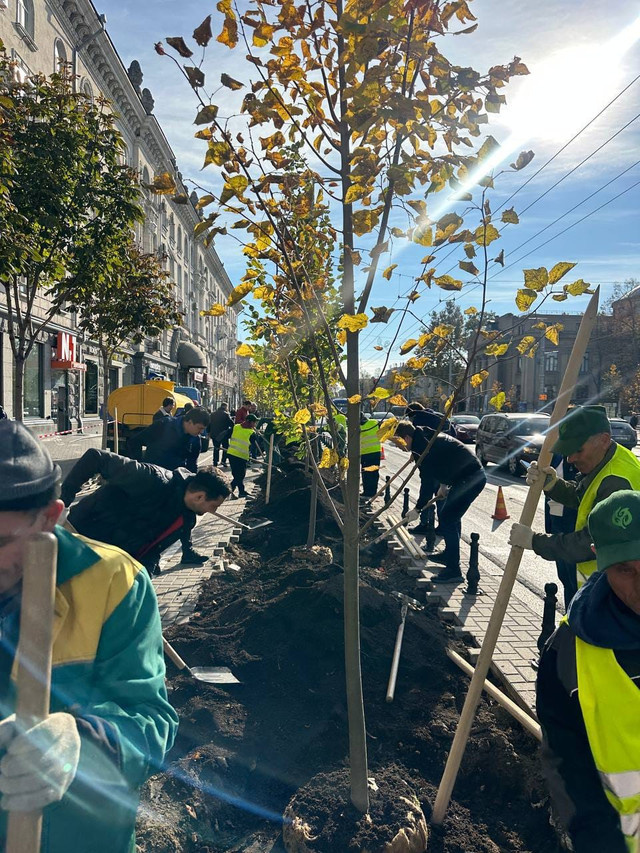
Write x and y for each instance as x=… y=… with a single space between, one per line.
x=522 y=536
x=442 y=492
x=40 y=763
x=412 y=515
x=534 y=474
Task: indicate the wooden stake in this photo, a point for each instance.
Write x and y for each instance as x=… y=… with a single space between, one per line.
x=116 y=435
x=34 y=667
x=511 y=569
x=267 y=494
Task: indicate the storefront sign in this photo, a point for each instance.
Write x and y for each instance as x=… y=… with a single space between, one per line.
x=198 y=376
x=66 y=353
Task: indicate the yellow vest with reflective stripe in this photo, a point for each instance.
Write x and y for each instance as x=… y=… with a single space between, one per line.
x=239 y=442
x=610 y=704
x=369 y=441
x=622 y=464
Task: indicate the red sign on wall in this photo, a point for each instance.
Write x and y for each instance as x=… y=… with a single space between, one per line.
x=66 y=353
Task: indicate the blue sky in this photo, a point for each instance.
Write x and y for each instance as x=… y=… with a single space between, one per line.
x=572 y=36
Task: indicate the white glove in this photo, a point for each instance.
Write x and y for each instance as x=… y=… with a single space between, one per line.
x=442 y=492
x=522 y=536
x=412 y=515
x=39 y=764
x=534 y=474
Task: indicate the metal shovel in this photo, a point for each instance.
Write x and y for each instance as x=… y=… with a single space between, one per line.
x=407 y=603
x=208 y=674
x=258 y=522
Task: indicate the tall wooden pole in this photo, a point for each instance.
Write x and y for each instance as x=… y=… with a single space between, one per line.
x=267 y=495
x=511 y=569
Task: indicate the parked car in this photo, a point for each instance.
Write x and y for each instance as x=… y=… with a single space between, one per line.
x=510 y=438
x=466 y=427
x=623 y=433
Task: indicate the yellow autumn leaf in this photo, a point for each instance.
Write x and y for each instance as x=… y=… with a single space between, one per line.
x=510 y=216
x=398 y=400
x=342 y=337
x=423 y=236
x=478 y=378
x=379 y=394
x=486 y=234
x=343 y=464
x=442 y=330
x=446 y=282
x=470 y=311
x=354 y=399
x=525 y=344
x=353 y=322
x=239 y=292
x=372 y=468
x=407 y=346
x=264 y=291
x=302 y=416
x=216 y=310
x=496 y=349
x=498 y=401
x=423 y=340
x=525 y=299
x=303 y=368
x=577 y=288
x=536 y=279
x=378 y=348
x=387 y=429
x=416 y=363
x=244 y=350
x=387 y=273
x=329 y=458
x=552 y=333
x=559 y=270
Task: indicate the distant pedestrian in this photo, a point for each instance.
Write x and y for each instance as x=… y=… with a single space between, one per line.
x=3 y=414
x=220 y=426
x=462 y=478
x=169 y=442
x=426 y=417
x=633 y=420
x=370 y=453
x=165 y=409
x=141 y=508
x=239 y=452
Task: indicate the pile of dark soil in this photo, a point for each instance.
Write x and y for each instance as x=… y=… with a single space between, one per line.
x=243 y=751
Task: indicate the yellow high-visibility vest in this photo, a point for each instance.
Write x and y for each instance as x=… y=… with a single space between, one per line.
x=622 y=464
x=610 y=704
x=369 y=441
x=239 y=442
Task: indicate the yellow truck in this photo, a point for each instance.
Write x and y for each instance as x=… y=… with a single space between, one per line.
x=135 y=405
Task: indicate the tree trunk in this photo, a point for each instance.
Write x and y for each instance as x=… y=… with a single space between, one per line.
x=18 y=387
x=106 y=361
x=313 y=508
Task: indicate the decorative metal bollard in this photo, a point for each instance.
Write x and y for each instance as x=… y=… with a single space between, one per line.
x=473 y=574
x=405 y=503
x=548 y=613
x=430 y=535
x=387 y=492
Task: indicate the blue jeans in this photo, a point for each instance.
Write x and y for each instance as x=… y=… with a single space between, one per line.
x=459 y=499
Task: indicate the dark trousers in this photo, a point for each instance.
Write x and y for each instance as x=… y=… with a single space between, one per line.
x=218 y=447
x=370 y=478
x=461 y=495
x=238 y=471
x=566 y=571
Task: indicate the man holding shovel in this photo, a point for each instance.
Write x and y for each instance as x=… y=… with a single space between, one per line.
x=584 y=438
x=588 y=691
x=141 y=508
x=109 y=724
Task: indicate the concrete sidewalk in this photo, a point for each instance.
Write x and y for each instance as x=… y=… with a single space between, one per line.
x=517 y=644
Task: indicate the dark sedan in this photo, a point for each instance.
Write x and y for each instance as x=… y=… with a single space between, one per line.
x=623 y=433
x=466 y=427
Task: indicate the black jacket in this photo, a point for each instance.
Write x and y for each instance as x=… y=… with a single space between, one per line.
x=574 y=783
x=137 y=503
x=166 y=442
x=220 y=422
x=448 y=461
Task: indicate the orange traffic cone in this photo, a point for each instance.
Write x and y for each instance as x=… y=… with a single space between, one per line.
x=500 y=512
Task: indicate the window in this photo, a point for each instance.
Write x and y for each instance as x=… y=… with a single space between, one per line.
x=87 y=89
x=114 y=379
x=179 y=240
x=186 y=248
x=34 y=383
x=26 y=18
x=60 y=57
x=519 y=364
x=584 y=367
x=91 y=389
x=551 y=361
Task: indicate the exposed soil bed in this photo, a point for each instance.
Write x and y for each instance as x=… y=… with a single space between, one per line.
x=243 y=751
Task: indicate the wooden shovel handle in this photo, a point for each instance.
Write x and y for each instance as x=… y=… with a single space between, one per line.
x=34 y=667
x=173 y=655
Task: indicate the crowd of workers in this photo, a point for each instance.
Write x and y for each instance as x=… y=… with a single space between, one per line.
x=110 y=723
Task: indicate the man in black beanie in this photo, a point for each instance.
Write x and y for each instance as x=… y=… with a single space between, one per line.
x=109 y=724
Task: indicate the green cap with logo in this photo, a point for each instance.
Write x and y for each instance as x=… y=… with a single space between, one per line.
x=579 y=425
x=614 y=525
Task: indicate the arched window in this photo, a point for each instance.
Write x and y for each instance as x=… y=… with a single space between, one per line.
x=145 y=181
x=60 y=57
x=87 y=89
x=172 y=227
x=179 y=239
x=26 y=17
x=186 y=248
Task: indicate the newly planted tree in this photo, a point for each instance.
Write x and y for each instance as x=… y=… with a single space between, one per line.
x=382 y=122
x=64 y=191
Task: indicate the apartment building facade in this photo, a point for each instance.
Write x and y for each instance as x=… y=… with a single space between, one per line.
x=63 y=375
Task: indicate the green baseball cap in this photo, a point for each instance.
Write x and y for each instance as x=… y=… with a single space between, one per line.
x=579 y=425
x=614 y=525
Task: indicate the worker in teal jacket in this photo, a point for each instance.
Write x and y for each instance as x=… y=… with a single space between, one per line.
x=110 y=723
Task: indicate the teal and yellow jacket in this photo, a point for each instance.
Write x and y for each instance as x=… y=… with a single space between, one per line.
x=108 y=671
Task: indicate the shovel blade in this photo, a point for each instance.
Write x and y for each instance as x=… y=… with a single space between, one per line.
x=257 y=523
x=214 y=674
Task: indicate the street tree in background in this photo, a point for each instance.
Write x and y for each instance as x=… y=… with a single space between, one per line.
x=64 y=192
x=128 y=297
x=383 y=122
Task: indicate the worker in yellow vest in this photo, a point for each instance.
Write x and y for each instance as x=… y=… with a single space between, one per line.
x=238 y=453
x=588 y=692
x=370 y=452
x=584 y=437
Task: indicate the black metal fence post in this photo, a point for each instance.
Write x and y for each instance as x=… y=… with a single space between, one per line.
x=548 y=613
x=387 y=492
x=473 y=575
x=405 y=503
